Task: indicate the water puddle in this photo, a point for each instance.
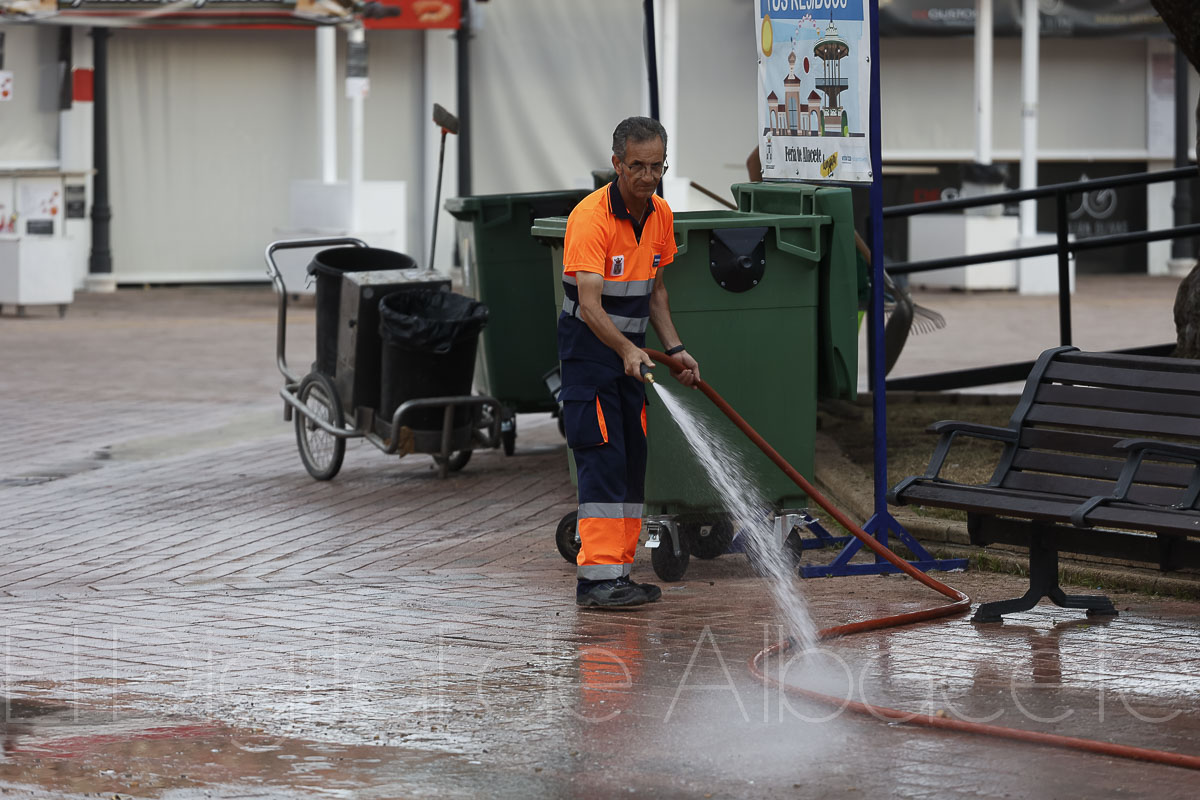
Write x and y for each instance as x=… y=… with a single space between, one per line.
x=64 y=470
x=752 y=516
x=66 y=748
x=246 y=427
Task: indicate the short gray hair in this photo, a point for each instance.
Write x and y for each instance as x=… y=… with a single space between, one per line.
x=637 y=129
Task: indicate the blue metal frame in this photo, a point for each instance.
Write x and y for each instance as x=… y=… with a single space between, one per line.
x=882 y=522
x=823 y=537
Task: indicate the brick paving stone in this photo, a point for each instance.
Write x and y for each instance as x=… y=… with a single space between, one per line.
x=181 y=568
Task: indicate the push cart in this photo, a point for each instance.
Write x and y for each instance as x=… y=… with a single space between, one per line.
x=345 y=396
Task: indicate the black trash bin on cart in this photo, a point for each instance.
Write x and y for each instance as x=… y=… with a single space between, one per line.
x=329 y=267
x=429 y=343
x=402 y=383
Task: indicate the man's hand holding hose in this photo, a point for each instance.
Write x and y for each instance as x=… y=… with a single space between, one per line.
x=690 y=374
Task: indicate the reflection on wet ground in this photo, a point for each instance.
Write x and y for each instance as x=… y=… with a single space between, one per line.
x=657 y=700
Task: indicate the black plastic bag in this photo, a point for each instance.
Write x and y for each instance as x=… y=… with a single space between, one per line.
x=429 y=321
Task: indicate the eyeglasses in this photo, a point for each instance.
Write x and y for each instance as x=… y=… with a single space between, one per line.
x=638 y=169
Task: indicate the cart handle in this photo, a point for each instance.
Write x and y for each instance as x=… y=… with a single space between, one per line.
x=280 y=289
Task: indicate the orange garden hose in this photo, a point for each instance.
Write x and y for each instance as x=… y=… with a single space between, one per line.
x=960 y=605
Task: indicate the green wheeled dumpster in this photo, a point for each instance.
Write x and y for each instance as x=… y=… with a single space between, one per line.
x=767 y=303
x=504 y=267
x=837 y=280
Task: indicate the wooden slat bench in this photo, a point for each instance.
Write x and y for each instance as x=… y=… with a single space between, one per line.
x=1101 y=457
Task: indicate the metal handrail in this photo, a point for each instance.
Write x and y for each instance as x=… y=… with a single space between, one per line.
x=1015 y=195
x=1063 y=248
x=1091 y=243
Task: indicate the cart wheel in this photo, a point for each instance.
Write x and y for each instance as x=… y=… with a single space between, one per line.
x=458 y=460
x=667 y=565
x=321 y=451
x=508 y=430
x=708 y=541
x=62 y=310
x=566 y=538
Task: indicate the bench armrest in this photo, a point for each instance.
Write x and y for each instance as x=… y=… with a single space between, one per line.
x=1145 y=447
x=947 y=429
x=1138 y=450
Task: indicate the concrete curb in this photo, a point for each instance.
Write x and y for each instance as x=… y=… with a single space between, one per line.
x=849 y=486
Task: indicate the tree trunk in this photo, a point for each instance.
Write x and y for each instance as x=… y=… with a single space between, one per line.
x=1184 y=23
x=1187 y=316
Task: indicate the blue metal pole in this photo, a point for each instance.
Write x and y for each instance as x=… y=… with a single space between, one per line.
x=878 y=363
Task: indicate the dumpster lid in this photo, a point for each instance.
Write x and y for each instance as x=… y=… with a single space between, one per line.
x=721 y=218
x=776 y=198
x=549 y=228
x=788 y=227
x=539 y=203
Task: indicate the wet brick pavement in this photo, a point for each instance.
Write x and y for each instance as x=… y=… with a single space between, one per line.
x=187 y=614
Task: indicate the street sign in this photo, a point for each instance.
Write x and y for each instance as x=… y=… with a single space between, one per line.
x=814 y=89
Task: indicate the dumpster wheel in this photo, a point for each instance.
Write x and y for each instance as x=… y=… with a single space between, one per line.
x=669 y=565
x=508 y=431
x=708 y=540
x=321 y=452
x=566 y=537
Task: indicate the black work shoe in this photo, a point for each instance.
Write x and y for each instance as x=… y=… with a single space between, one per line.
x=609 y=594
x=652 y=591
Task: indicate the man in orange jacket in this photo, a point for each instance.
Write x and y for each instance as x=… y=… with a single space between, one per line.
x=618 y=240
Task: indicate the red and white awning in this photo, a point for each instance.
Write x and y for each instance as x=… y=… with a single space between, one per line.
x=383 y=14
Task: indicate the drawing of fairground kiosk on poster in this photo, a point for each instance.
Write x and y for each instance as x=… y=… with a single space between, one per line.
x=814 y=82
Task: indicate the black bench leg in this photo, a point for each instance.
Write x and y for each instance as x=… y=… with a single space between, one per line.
x=1097 y=605
x=992 y=612
x=1043 y=582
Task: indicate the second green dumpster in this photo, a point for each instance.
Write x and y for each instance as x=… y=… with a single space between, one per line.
x=504 y=267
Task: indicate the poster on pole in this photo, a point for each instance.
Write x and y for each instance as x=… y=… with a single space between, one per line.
x=814 y=90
